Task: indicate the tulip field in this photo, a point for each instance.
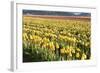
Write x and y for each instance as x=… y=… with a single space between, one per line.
x=55 y=39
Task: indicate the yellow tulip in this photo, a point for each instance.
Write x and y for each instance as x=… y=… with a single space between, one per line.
x=62 y=50
x=70 y=54
x=83 y=56
x=57 y=45
x=78 y=49
x=77 y=55
x=73 y=50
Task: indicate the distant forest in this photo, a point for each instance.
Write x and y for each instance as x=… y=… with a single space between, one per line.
x=55 y=13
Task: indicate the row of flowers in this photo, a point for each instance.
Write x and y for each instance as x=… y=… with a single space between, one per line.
x=56 y=39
